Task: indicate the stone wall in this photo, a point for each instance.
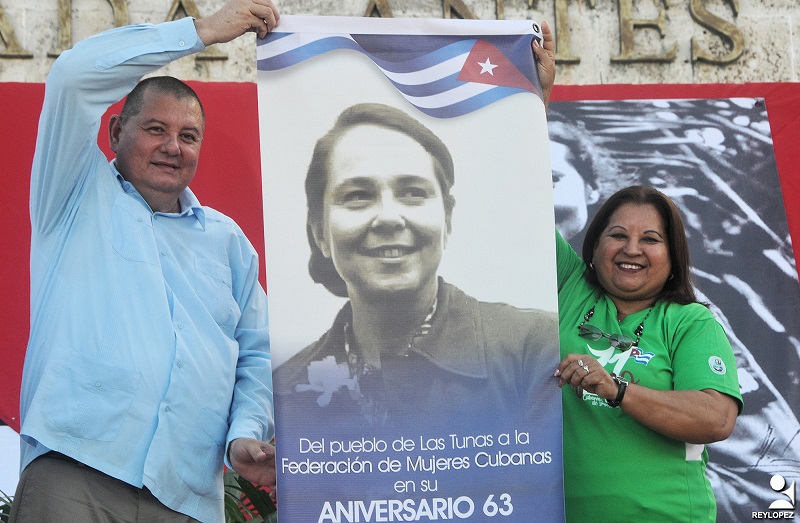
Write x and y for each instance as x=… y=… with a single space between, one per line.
x=598 y=41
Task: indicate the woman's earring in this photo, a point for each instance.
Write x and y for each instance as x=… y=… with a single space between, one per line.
x=591 y=265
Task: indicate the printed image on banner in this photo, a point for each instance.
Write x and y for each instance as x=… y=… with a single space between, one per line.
x=715 y=159
x=410 y=261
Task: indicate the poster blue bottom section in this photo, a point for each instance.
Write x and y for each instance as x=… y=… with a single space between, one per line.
x=506 y=472
x=464 y=423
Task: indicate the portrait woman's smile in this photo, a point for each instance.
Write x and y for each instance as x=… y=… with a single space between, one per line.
x=384 y=223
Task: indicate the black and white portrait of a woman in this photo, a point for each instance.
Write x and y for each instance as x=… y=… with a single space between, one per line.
x=715 y=159
x=408 y=349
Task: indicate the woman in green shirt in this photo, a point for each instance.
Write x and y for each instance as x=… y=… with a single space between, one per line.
x=651 y=376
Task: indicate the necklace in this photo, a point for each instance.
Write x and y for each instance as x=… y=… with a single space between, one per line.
x=619 y=341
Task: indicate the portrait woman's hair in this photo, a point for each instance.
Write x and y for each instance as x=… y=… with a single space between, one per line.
x=321 y=268
x=678 y=287
x=590 y=155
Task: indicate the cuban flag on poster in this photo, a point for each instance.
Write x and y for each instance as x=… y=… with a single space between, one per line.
x=453 y=69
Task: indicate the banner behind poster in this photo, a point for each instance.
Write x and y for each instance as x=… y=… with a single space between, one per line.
x=715 y=159
x=415 y=382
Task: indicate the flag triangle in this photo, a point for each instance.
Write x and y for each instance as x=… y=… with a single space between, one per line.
x=486 y=64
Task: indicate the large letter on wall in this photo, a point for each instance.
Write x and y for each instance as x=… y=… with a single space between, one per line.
x=119 y=9
x=459 y=8
x=627 y=24
x=563 y=54
x=729 y=32
x=7 y=34
x=379 y=8
x=190 y=8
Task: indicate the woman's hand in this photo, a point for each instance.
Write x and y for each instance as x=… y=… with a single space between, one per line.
x=545 y=61
x=692 y=416
x=583 y=372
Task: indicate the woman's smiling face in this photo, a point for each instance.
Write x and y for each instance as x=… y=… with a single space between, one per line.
x=384 y=224
x=632 y=256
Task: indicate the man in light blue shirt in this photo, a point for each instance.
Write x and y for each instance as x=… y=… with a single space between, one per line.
x=148 y=356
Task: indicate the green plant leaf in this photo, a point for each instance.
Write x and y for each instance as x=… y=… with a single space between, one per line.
x=5 y=506
x=232 y=512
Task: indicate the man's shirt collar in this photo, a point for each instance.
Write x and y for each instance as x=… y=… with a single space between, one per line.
x=190 y=205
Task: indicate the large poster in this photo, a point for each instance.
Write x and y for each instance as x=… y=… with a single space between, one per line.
x=715 y=159
x=410 y=259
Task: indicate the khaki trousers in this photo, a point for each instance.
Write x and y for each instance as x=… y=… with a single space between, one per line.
x=55 y=488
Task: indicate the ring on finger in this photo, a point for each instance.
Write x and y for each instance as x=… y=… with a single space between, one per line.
x=580 y=363
x=586 y=368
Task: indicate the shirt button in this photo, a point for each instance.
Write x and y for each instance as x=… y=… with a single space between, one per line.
x=167 y=409
x=98 y=384
x=180 y=326
x=181 y=43
x=179 y=364
x=163 y=253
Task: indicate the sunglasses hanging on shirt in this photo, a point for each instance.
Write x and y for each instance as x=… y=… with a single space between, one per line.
x=618 y=341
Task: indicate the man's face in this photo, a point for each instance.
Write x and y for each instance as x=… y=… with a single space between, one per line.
x=158 y=148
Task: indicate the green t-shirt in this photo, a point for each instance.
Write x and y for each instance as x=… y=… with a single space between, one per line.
x=616 y=469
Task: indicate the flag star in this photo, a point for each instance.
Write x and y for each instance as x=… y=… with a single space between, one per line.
x=487 y=67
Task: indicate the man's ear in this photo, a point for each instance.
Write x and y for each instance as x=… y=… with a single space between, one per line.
x=114 y=128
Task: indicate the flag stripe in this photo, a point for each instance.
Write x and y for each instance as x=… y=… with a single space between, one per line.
x=283 y=43
x=471 y=104
x=431 y=59
x=432 y=74
x=304 y=52
x=457 y=94
x=429 y=89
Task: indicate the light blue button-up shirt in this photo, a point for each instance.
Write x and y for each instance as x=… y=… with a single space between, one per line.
x=149 y=348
